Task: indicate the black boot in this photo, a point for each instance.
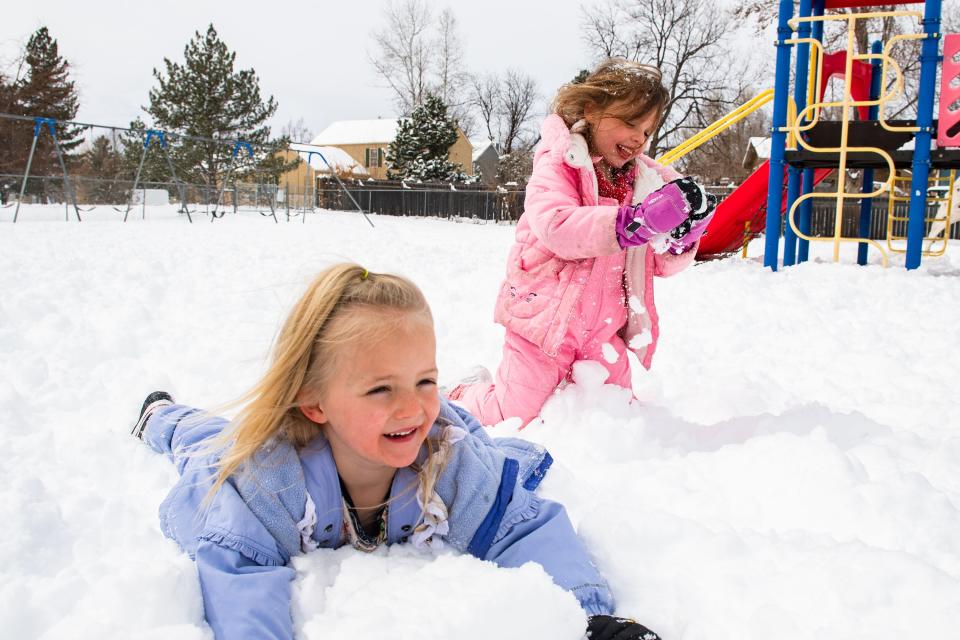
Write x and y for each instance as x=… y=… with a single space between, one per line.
x=152 y=402
x=614 y=628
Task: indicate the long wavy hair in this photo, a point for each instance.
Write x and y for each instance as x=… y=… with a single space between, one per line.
x=618 y=88
x=305 y=355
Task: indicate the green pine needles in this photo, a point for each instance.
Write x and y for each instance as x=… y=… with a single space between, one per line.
x=421 y=147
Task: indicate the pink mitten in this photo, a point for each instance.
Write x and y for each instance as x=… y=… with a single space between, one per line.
x=660 y=212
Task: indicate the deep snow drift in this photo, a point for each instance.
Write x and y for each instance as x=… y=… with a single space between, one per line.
x=792 y=470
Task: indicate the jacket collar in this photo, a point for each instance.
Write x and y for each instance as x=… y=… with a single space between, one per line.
x=556 y=135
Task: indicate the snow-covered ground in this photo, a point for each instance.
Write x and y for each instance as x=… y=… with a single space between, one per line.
x=792 y=472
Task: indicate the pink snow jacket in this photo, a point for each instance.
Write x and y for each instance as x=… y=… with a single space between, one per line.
x=565 y=233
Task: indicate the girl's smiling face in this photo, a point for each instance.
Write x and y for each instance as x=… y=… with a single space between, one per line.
x=381 y=399
x=618 y=140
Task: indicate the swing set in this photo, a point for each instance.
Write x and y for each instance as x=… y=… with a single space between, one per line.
x=68 y=192
x=161 y=138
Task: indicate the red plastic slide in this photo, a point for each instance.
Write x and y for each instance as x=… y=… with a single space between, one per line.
x=747 y=203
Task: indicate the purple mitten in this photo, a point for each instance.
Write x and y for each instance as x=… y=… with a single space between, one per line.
x=660 y=212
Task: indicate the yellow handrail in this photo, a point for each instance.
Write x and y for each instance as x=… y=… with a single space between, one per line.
x=716 y=128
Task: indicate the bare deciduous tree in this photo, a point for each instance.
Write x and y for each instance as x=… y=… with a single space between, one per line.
x=505 y=104
x=485 y=99
x=516 y=167
x=297 y=131
x=401 y=54
x=416 y=53
x=689 y=41
x=518 y=97
x=450 y=74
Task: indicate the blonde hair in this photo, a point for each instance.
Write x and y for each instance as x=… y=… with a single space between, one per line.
x=632 y=89
x=305 y=354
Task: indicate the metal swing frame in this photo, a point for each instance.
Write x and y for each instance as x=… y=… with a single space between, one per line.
x=333 y=172
x=70 y=195
x=217 y=211
x=181 y=188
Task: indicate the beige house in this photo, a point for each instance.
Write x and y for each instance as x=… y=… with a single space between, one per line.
x=300 y=183
x=366 y=141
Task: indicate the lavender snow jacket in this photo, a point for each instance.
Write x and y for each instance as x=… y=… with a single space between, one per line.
x=290 y=501
x=567 y=231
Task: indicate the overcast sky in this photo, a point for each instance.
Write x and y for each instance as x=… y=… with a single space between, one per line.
x=310 y=56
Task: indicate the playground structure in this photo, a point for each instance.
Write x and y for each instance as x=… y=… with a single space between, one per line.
x=808 y=148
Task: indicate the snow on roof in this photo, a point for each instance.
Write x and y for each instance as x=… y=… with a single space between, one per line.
x=340 y=160
x=382 y=130
x=758 y=146
x=480 y=146
x=761 y=144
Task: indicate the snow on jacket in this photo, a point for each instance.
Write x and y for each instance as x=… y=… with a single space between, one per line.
x=288 y=502
x=566 y=233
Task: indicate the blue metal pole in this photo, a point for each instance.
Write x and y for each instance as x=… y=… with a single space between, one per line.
x=804 y=214
x=806 y=207
x=794 y=177
x=800 y=99
x=866 y=204
x=916 y=225
x=778 y=137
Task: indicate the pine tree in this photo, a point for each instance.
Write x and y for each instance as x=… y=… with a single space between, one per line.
x=421 y=147
x=43 y=88
x=206 y=97
x=7 y=132
x=155 y=168
x=103 y=164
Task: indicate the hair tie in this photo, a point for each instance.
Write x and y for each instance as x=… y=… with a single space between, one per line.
x=365 y=274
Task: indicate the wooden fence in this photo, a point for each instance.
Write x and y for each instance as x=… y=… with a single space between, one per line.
x=475 y=201
x=433 y=200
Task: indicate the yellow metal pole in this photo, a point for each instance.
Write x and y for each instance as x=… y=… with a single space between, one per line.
x=844 y=133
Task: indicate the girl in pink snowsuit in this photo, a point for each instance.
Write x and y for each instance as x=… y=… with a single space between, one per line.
x=600 y=220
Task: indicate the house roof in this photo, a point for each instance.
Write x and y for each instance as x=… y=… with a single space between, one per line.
x=758 y=148
x=382 y=130
x=340 y=160
x=761 y=146
x=480 y=147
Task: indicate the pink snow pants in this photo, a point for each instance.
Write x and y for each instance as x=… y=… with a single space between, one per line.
x=527 y=376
